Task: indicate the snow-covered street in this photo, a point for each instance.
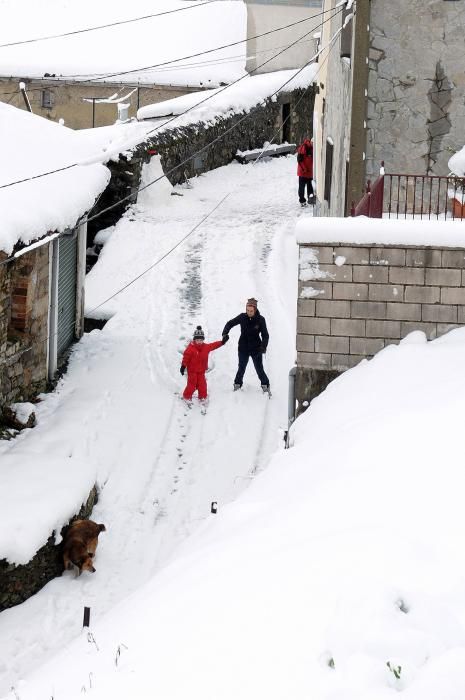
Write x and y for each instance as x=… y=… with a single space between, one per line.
x=118 y=409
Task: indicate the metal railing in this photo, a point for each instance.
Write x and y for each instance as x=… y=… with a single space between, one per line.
x=402 y=196
x=424 y=196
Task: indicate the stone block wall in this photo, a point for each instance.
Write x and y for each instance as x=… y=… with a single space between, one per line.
x=354 y=300
x=24 y=302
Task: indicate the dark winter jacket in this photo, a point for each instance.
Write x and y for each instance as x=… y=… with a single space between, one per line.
x=254 y=334
x=195 y=356
x=305 y=159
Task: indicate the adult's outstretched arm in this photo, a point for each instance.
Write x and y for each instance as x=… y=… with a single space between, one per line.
x=230 y=324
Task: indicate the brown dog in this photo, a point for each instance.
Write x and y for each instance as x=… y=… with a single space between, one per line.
x=80 y=543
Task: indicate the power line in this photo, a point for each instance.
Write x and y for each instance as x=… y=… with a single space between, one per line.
x=52 y=172
x=167 y=69
x=104 y=26
x=100 y=76
x=211 y=143
x=329 y=46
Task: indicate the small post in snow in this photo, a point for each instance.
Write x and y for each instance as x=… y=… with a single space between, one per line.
x=86 y=620
x=214 y=507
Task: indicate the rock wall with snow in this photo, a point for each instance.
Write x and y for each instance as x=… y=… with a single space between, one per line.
x=18 y=583
x=175 y=145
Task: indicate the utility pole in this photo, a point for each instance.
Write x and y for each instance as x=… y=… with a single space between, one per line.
x=92 y=99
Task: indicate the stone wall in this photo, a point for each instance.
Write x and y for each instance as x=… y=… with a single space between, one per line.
x=177 y=144
x=416 y=85
x=354 y=300
x=24 y=302
x=18 y=583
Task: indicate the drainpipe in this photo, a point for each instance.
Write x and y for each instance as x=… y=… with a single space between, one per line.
x=22 y=87
x=290 y=404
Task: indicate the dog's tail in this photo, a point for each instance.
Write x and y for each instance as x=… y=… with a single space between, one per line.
x=101 y=527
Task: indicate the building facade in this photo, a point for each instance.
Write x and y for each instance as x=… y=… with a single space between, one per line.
x=266 y=15
x=83 y=105
x=396 y=94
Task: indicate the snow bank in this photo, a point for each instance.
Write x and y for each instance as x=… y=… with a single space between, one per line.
x=457 y=163
x=338 y=575
x=35 y=491
x=31 y=145
x=240 y=97
x=362 y=230
x=128 y=46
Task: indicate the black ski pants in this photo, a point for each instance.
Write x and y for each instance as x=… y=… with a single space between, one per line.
x=305 y=182
x=257 y=359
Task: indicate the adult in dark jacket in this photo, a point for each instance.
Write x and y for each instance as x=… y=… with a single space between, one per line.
x=305 y=171
x=253 y=342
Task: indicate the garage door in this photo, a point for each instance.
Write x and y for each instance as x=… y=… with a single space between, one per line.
x=67 y=279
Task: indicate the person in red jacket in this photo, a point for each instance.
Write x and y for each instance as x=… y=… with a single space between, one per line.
x=195 y=360
x=305 y=172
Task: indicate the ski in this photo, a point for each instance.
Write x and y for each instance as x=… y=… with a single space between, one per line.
x=266 y=390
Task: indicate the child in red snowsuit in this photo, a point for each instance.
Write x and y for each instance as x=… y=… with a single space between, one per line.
x=195 y=360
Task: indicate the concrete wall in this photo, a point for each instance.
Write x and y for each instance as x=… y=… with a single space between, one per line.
x=24 y=304
x=354 y=300
x=265 y=16
x=68 y=99
x=416 y=88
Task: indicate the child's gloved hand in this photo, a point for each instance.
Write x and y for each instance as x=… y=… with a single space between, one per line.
x=182 y=369
x=225 y=339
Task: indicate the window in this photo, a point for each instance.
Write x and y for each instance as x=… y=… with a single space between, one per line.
x=329 y=169
x=346 y=34
x=47 y=99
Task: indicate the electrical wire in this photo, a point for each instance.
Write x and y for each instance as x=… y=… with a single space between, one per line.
x=104 y=26
x=52 y=172
x=329 y=46
x=100 y=77
x=218 y=138
x=200 y=64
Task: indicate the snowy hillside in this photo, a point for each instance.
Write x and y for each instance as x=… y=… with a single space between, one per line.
x=338 y=575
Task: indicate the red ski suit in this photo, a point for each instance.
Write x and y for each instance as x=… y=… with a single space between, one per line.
x=305 y=160
x=195 y=359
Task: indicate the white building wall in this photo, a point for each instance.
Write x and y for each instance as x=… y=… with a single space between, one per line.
x=266 y=15
x=333 y=109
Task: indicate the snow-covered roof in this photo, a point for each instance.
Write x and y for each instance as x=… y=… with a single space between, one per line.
x=31 y=145
x=364 y=231
x=128 y=46
x=457 y=163
x=235 y=98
